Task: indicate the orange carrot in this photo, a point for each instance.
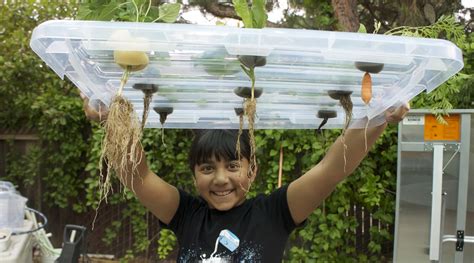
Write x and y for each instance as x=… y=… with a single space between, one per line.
x=366 y=88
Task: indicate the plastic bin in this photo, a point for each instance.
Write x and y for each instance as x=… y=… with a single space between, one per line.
x=12 y=206
x=196 y=69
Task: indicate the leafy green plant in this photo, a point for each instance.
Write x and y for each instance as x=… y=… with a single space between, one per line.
x=38 y=100
x=129 y=10
x=254 y=16
x=166 y=243
x=23 y=168
x=441 y=99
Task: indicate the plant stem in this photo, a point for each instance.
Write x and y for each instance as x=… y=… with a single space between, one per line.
x=136 y=8
x=124 y=79
x=147 y=10
x=252 y=78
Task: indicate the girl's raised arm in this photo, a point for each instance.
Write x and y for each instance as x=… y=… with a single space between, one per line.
x=161 y=198
x=306 y=193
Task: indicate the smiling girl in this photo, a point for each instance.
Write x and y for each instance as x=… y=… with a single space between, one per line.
x=221 y=224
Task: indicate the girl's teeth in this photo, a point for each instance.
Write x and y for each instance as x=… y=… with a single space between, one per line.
x=222 y=193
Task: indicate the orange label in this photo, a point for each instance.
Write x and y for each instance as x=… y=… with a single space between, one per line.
x=435 y=131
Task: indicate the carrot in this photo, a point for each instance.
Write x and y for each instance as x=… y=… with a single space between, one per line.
x=366 y=93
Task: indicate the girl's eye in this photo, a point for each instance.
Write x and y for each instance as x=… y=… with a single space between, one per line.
x=235 y=165
x=206 y=169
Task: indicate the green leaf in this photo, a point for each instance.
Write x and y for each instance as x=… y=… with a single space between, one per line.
x=362 y=29
x=84 y=12
x=153 y=13
x=242 y=10
x=98 y=10
x=169 y=12
x=259 y=14
x=108 y=11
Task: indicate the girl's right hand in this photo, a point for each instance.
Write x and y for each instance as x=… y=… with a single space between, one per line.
x=91 y=113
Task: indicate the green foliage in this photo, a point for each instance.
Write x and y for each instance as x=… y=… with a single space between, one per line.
x=35 y=98
x=446 y=96
x=166 y=243
x=362 y=29
x=310 y=14
x=129 y=10
x=330 y=232
x=23 y=168
x=254 y=16
x=68 y=154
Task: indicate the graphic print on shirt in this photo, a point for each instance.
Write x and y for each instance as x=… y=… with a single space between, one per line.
x=228 y=240
x=234 y=252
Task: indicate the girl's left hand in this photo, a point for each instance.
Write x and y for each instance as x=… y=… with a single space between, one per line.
x=395 y=115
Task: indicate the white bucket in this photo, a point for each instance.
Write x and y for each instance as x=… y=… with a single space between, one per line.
x=12 y=206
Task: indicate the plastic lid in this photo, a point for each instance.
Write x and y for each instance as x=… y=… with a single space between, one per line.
x=196 y=69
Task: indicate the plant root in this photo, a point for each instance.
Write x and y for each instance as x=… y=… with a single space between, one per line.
x=237 y=146
x=365 y=132
x=347 y=105
x=146 y=107
x=250 y=110
x=120 y=144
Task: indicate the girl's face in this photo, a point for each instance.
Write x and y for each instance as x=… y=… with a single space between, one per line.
x=223 y=184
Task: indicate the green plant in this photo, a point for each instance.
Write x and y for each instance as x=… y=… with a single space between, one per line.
x=128 y=10
x=23 y=168
x=254 y=16
x=441 y=99
x=38 y=100
x=166 y=243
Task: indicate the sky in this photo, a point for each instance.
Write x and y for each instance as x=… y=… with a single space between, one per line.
x=468 y=3
x=197 y=17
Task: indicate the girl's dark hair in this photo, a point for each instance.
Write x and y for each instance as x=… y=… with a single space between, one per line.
x=218 y=144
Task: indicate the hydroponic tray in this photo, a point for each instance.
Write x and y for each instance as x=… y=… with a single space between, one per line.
x=196 y=70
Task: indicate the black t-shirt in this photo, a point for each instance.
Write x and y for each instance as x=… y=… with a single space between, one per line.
x=261 y=225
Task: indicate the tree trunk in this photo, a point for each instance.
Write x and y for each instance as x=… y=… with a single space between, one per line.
x=346 y=14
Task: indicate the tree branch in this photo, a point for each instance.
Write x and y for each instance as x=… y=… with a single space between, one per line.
x=367 y=6
x=216 y=9
x=346 y=14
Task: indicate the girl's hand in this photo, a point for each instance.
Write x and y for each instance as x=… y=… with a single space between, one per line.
x=395 y=115
x=91 y=113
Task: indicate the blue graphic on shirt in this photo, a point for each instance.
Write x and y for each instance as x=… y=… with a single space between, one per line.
x=228 y=240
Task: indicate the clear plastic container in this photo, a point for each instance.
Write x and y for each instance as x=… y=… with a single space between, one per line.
x=6 y=186
x=12 y=206
x=197 y=69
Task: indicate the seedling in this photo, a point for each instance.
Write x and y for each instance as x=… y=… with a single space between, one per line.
x=366 y=90
x=122 y=136
x=123 y=131
x=239 y=112
x=163 y=112
x=246 y=92
x=344 y=98
x=148 y=90
x=252 y=17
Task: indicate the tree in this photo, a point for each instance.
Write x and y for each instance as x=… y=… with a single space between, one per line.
x=346 y=14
